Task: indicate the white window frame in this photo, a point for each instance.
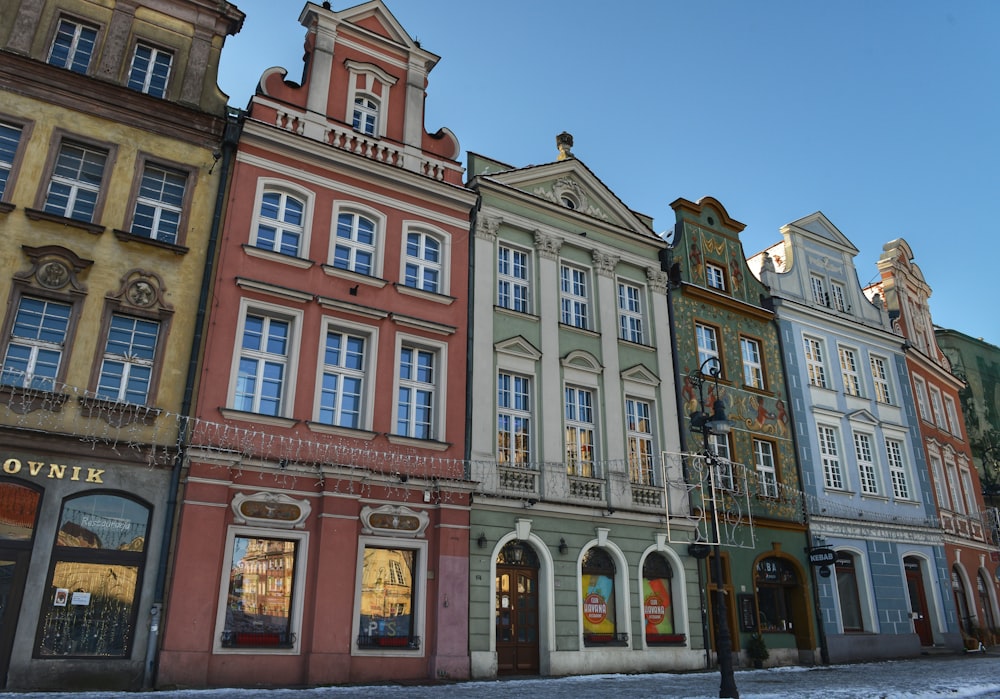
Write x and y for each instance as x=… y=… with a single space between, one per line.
x=724 y=476
x=864 y=451
x=880 y=376
x=366 y=373
x=898 y=472
x=129 y=361
x=828 y=437
x=511 y=410
x=36 y=345
x=813 y=351
x=574 y=296
x=7 y=165
x=940 y=485
x=420 y=582
x=631 y=305
x=970 y=499
x=298 y=588
x=707 y=340
x=753 y=367
x=514 y=278
x=580 y=420
x=352 y=245
x=291 y=359
x=838 y=297
x=142 y=79
x=77 y=185
x=715 y=276
x=818 y=286
x=367 y=81
x=438 y=388
x=366 y=114
x=421 y=263
x=75 y=46
x=923 y=403
x=937 y=406
x=162 y=208
x=640 y=418
x=285 y=190
x=849 y=370
x=951 y=413
x=764 y=465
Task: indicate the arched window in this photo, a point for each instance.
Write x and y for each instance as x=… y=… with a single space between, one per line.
x=851 y=615
x=657 y=601
x=280 y=223
x=94 y=581
x=365 y=117
x=354 y=243
x=777 y=583
x=423 y=262
x=989 y=620
x=965 y=621
x=600 y=624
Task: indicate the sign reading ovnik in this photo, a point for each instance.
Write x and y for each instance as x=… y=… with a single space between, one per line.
x=37 y=469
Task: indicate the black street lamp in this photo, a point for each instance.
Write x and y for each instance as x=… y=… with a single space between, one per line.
x=716 y=423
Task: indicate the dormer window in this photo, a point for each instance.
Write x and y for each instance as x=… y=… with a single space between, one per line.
x=365 y=117
x=715 y=276
x=368 y=98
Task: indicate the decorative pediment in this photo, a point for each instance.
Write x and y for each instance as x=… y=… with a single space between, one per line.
x=270 y=510
x=640 y=374
x=54 y=268
x=518 y=347
x=863 y=416
x=394 y=520
x=584 y=361
x=141 y=290
x=820 y=229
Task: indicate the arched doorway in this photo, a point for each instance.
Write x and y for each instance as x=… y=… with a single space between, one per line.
x=918 y=600
x=516 y=610
x=18 y=513
x=782 y=600
x=961 y=603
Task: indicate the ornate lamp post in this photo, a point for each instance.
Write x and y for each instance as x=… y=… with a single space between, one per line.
x=716 y=423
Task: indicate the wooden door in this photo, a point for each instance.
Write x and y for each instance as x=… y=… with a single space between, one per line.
x=517 y=620
x=13 y=571
x=918 y=601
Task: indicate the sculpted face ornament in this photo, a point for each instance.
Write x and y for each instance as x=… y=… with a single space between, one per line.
x=52 y=274
x=141 y=293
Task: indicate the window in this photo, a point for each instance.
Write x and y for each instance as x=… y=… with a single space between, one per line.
x=937 y=470
x=984 y=602
x=415 y=406
x=970 y=498
x=92 y=595
x=513 y=419
x=10 y=137
x=920 y=389
x=839 y=299
x=952 y=415
x=939 y=417
x=897 y=469
x=867 y=470
x=342 y=390
x=579 y=414
x=423 y=262
x=73 y=46
x=818 y=290
x=813 y=349
x=630 y=313
x=512 y=280
x=708 y=346
x=354 y=249
x=388 y=598
x=657 y=601
x=849 y=371
x=829 y=449
x=715 y=276
x=574 y=297
x=957 y=502
x=263 y=580
x=159 y=204
x=777 y=585
x=76 y=182
x=880 y=374
x=753 y=371
x=719 y=445
x=263 y=364
x=280 y=223
x=37 y=341
x=639 y=430
x=127 y=367
x=851 y=616
x=597 y=583
x=365 y=116
x=767 y=474
x=150 y=70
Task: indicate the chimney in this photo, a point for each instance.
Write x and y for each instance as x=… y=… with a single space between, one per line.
x=564 y=142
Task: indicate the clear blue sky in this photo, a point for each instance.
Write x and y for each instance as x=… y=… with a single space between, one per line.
x=884 y=115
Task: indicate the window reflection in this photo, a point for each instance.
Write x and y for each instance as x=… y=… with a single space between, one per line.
x=387 y=594
x=258 y=609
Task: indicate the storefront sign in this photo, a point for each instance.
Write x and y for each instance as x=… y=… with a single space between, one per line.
x=38 y=469
x=595 y=608
x=822 y=556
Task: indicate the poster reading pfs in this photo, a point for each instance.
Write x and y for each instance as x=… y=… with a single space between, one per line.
x=598 y=605
x=656 y=606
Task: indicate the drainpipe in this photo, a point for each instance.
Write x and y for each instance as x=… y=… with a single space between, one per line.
x=230 y=139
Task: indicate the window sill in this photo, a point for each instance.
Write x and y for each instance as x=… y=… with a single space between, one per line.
x=37 y=215
x=256 y=639
x=434 y=296
x=515 y=313
x=263 y=254
x=127 y=237
x=636 y=345
x=324 y=428
x=6 y=207
x=258 y=418
x=605 y=639
x=118 y=414
x=403 y=440
x=354 y=276
x=27 y=400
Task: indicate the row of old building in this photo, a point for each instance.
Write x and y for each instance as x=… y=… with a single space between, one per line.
x=290 y=397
